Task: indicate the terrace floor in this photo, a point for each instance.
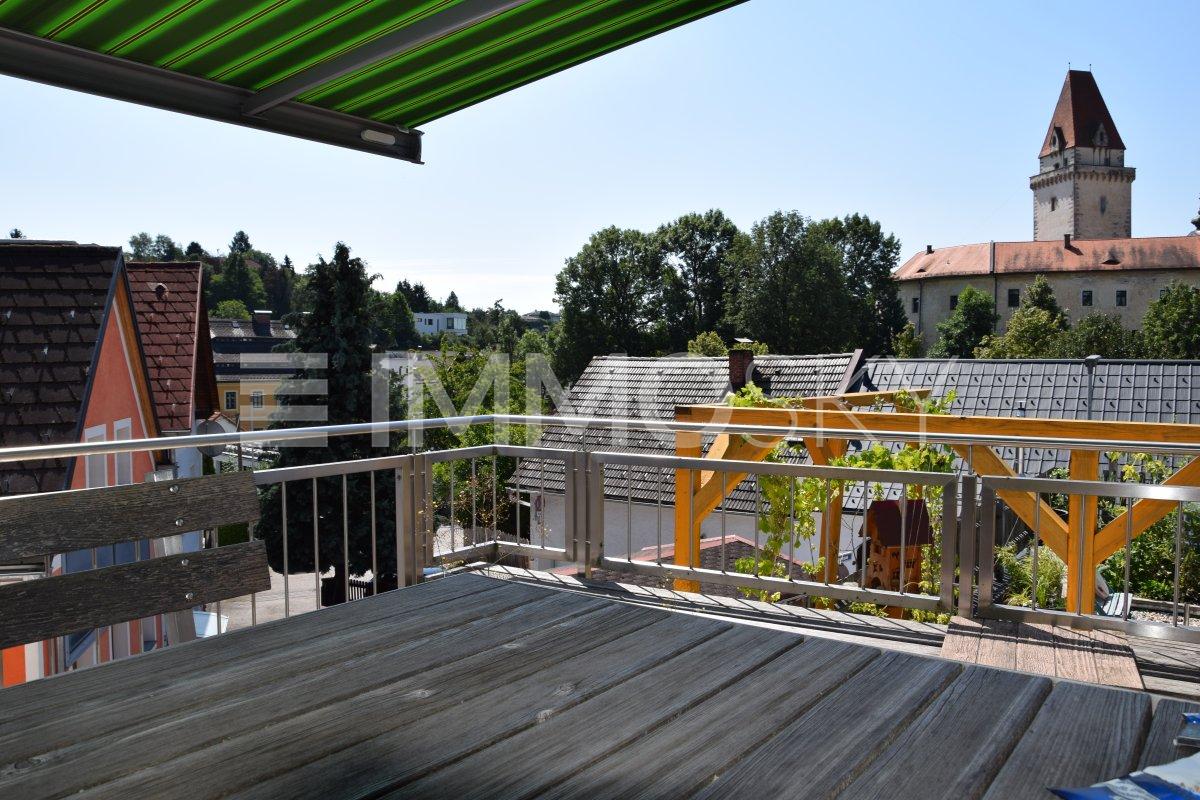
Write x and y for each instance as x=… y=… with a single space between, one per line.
x=472 y=686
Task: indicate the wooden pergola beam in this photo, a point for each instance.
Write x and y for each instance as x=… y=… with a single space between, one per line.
x=1030 y=508
x=1111 y=537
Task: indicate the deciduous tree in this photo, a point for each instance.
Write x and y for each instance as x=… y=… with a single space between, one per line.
x=1171 y=327
x=973 y=319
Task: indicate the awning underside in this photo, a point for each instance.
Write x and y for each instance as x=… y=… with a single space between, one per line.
x=295 y=66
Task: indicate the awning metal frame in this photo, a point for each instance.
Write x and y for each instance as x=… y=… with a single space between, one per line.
x=45 y=61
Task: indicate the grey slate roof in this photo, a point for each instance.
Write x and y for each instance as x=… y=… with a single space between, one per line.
x=233 y=338
x=53 y=297
x=650 y=388
x=1131 y=391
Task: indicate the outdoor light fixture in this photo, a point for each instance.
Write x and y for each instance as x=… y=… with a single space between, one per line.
x=378 y=137
x=1090 y=364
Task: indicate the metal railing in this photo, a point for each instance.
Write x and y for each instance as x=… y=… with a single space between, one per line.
x=451 y=509
x=1123 y=498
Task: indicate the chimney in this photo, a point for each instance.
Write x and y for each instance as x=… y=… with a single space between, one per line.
x=160 y=291
x=741 y=364
x=928 y=249
x=1066 y=241
x=262 y=322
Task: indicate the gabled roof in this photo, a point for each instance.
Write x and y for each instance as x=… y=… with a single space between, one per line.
x=1079 y=115
x=650 y=388
x=1029 y=258
x=53 y=298
x=168 y=299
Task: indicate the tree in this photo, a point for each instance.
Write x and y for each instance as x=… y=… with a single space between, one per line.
x=237 y=281
x=279 y=282
x=973 y=319
x=417 y=297
x=531 y=342
x=1100 y=334
x=451 y=303
x=707 y=343
x=1171 y=327
x=1032 y=333
x=906 y=343
x=869 y=259
x=240 y=243
x=696 y=248
x=195 y=252
x=16 y=233
x=231 y=309
x=610 y=293
x=401 y=325
x=1040 y=294
x=336 y=327
x=140 y=246
x=793 y=292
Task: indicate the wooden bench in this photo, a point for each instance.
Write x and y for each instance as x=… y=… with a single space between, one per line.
x=38 y=526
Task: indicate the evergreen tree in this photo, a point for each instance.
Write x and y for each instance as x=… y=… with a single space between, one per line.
x=16 y=233
x=401 y=325
x=240 y=243
x=973 y=320
x=451 y=303
x=237 y=281
x=194 y=252
x=1100 y=334
x=1032 y=333
x=337 y=327
x=1171 y=327
x=417 y=297
x=1040 y=294
x=279 y=283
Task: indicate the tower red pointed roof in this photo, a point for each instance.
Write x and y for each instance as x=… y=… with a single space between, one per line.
x=1080 y=115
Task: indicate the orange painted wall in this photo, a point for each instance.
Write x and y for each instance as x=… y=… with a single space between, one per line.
x=115 y=397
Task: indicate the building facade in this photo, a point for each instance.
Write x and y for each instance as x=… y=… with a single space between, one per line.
x=249 y=372
x=432 y=323
x=1082 y=233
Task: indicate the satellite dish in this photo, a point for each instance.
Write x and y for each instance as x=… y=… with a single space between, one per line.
x=215 y=424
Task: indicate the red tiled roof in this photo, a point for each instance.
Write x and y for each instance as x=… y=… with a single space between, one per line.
x=1079 y=113
x=1085 y=255
x=53 y=297
x=168 y=299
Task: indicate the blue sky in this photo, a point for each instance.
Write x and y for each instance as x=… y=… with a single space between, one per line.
x=927 y=116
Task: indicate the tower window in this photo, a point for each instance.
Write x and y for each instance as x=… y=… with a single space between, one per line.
x=1121 y=297
x=1085 y=297
x=916 y=305
x=953 y=302
x=1103 y=204
x=1014 y=298
x=1054 y=202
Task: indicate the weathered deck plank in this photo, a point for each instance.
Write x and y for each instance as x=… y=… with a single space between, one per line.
x=1115 y=664
x=536 y=758
x=391 y=731
x=536 y=626
x=998 y=645
x=962 y=640
x=829 y=745
x=1160 y=741
x=682 y=757
x=1035 y=648
x=165 y=669
x=977 y=721
x=1074 y=658
x=1082 y=734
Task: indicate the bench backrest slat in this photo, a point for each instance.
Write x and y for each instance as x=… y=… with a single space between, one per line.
x=33 y=610
x=39 y=525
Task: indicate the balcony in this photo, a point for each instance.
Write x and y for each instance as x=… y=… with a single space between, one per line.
x=538 y=641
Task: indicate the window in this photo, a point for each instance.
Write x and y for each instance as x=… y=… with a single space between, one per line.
x=256 y=399
x=1014 y=298
x=916 y=305
x=95 y=468
x=1054 y=201
x=123 y=431
x=231 y=401
x=953 y=302
x=1085 y=297
x=1121 y=297
x=1103 y=204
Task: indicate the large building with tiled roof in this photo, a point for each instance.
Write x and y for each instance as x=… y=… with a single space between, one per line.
x=248 y=372
x=1082 y=233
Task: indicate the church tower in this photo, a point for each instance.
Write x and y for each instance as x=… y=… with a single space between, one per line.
x=1083 y=187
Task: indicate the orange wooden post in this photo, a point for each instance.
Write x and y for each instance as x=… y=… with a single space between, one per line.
x=822 y=451
x=1081 y=522
x=687 y=524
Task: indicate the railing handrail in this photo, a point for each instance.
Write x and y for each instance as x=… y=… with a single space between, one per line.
x=1137 y=491
x=309 y=433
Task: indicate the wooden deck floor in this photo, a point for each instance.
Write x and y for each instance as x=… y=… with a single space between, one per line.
x=1089 y=656
x=477 y=687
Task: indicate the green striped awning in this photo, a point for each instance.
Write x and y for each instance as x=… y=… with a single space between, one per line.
x=356 y=73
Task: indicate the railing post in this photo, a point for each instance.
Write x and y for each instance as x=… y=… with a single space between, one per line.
x=575 y=511
x=950 y=534
x=594 y=527
x=967 y=537
x=407 y=522
x=987 y=546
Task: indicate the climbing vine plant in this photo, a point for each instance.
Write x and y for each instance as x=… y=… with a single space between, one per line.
x=788 y=507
